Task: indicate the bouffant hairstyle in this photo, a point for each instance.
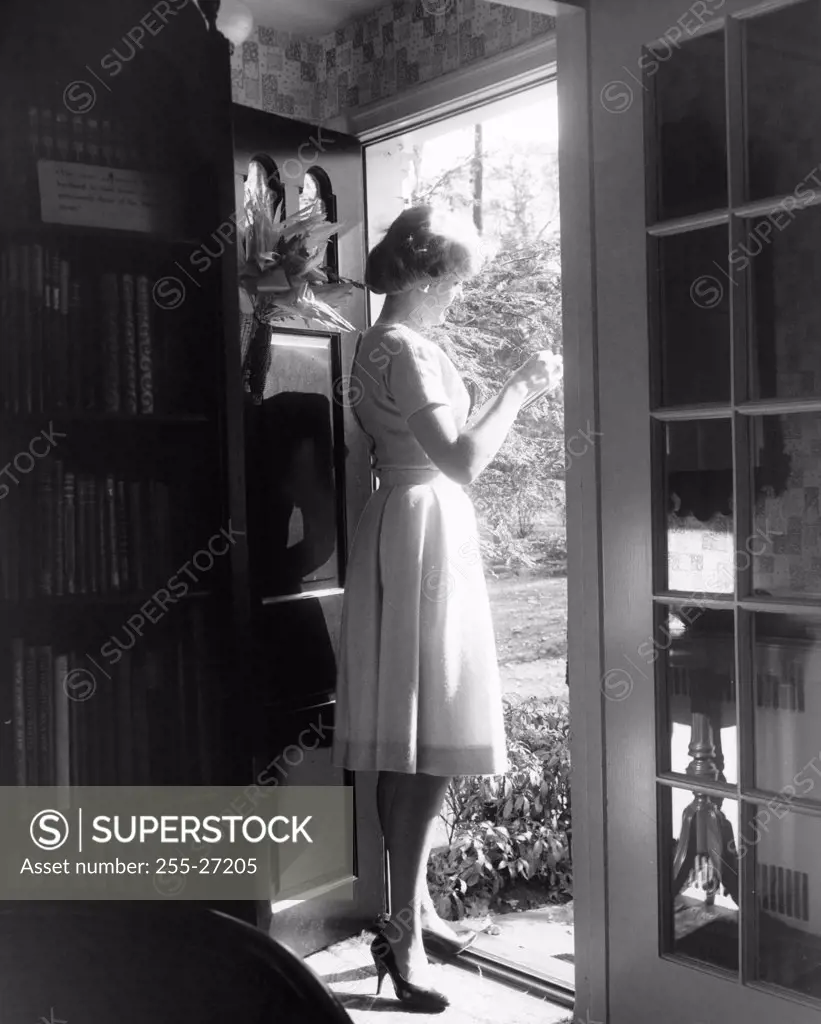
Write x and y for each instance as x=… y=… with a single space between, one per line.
x=420 y=246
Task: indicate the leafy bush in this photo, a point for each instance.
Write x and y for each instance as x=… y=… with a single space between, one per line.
x=515 y=828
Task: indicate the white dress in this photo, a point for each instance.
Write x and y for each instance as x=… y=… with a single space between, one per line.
x=418 y=682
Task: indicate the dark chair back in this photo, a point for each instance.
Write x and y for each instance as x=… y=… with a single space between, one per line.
x=115 y=963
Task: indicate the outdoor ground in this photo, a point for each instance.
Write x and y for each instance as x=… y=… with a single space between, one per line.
x=530 y=620
x=348 y=969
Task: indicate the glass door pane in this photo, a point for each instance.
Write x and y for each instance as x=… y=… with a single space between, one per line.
x=787 y=908
x=736 y=407
x=783 y=115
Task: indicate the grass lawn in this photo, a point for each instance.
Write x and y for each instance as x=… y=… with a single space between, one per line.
x=530 y=622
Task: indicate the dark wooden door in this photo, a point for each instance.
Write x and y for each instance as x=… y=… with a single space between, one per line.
x=308 y=478
x=710 y=401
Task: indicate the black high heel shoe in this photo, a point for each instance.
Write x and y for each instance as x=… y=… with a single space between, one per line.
x=426 y=1000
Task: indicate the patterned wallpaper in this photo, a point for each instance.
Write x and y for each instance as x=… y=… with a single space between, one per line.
x=374 y=57
x=785 y=548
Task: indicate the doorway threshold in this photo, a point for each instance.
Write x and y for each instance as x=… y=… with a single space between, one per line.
x=473 y=986
x=556 y=987
x=536 y=944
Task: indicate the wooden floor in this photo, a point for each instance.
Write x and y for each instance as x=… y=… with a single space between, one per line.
x=348 y=969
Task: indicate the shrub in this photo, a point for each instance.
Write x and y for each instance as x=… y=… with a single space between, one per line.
x=513 y=828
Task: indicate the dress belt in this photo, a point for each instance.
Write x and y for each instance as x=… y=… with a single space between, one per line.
x=390 y=477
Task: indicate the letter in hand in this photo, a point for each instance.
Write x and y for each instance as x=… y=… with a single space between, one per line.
x=544 y=365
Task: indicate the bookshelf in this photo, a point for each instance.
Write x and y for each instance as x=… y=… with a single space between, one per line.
x=123 y=564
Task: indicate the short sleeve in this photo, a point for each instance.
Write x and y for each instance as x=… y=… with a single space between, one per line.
x=414 y=377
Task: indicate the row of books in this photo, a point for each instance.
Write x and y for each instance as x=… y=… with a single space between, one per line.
x=73 y=342
x=140 y=716
x=62 y=129
x=58 y=133
x=64 y=532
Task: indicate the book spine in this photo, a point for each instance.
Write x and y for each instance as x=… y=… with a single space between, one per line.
x=31 y=708
x=62 y=734
x=62 y=135
x=5 y=318
x=136 y=526
x=47 y=146
x=106 y=143
x=78 y=742
x=83 y=586
x=125 y=722
x=18 y=656
x=161 y=527
x=13 y=373
x=103 y=565
x=25 y=335
x=160 y=728
x=145 y=346
x=129 y=336
x=78 y=144
x=141 y=732
x=38 y=328
x=76 y=347
x=120 y=137
x=7 y=768
x=45 y=715
x=60 y=384
x=11 y=547
x=60 y=583
x=110 y=300
x=187 y=712
x=197 y=656
x=52 y=318
x=123 y=546
x=32 y=192
x=15 y=169
x=93 y=140
x=92 y=542
x=29 y=547
x=6 y=593
x=70 y=531
x=46 y=529
x=112 y=541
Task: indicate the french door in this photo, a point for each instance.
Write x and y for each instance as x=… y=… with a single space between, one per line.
x=706 y=129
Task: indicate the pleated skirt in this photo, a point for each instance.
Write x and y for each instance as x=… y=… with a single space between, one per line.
x=418 y=685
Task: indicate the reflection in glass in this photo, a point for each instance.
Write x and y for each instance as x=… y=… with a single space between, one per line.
x=701 y=871
x=785 y=264
x=309 y=193
x=316 y=191
x=787 y=688
x=783 y=116
x=699 y=667
x=690 y=117
x=787 y=549
x=264 y=189
x=699 y=495
x=788 y=889
x=291 y=471
x=694 y=308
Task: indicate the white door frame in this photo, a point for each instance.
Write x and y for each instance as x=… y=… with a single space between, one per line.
x=563 y=55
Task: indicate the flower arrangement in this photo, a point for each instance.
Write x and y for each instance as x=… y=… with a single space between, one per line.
x=282 y=271
x=282 y=274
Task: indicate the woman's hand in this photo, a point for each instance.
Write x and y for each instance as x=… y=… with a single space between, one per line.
x=462 y=455
x=536 y=377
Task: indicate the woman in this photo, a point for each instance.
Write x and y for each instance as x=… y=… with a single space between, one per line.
x=418 y=697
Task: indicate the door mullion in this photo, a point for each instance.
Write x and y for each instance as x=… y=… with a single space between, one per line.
x=740 y=327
